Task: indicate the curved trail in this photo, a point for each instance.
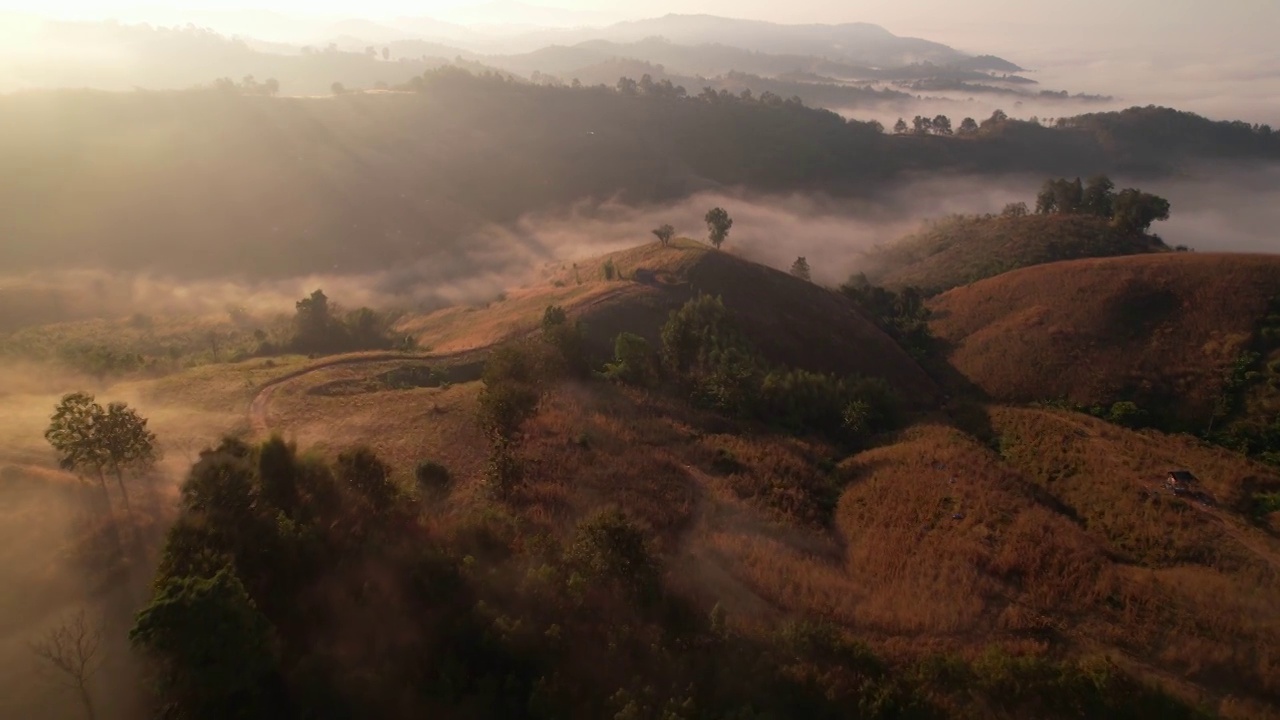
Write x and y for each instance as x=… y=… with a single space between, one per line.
x=258 y=407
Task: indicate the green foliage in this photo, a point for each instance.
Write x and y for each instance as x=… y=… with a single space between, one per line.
x=73 y=435
x=90 y=438
x=506 y=401
x=609 y=269
x=704 y=350
x=718 y=224
x=634 y=361
x=1130 y=210
x=566 y=342
x=1126 y=413
x=216 y=651
x=1134 y=211
x=610 y=547
x=318 y=328
x=903 y=314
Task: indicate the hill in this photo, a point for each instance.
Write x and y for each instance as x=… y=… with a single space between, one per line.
x=963 y=249
x=1165 y=331
x=783 y=316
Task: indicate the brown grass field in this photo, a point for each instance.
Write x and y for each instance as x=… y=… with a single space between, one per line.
x=1047 y=536
x=1157 y=329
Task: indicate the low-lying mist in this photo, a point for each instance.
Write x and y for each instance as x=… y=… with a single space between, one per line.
x=1216 y=207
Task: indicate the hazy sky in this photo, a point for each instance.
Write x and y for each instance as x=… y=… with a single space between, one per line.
x=1252 y=22
x=1217 y=57
x=1053 y=27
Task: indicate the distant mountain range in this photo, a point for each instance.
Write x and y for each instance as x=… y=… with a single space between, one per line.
x=858 y=43
x=831 y=65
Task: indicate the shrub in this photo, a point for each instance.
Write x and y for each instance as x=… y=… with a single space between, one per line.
x=432 y=477
x=634 y=360
x=610 y=547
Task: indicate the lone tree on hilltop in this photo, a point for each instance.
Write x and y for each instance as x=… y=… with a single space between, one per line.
x=718 y=224
x=664 y=234
x=800 y=268
x=968 y=126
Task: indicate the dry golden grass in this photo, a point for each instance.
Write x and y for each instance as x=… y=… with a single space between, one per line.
x=781 y=314
x=404 y=426
x=1159 y=329
x=1206 y=605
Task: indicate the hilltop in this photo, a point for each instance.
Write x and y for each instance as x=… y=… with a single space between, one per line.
x=964 y=249
x=791 y=321
x=1165 y=331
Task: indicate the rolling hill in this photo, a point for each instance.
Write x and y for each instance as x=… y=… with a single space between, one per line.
x=780 y=314
x=1161 y=330
x=964 y=249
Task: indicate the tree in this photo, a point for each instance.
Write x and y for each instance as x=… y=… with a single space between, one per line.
x=1134 y=210
x=968 y=126
x=665 y=233
x=627 y=86
x=900 y=127
x=800 y=268
x=271 y=86
x=71 y=649
x=941 y=125
x=921 y=125
x=1017 y=209
x=73 y=435
x=215 y=648
x=313 y=323
x=634 y=360
x=610 y=547
x=1098 y=196
x=88 y=437
x=337 y=88
x=718 y=224
x=126 y=442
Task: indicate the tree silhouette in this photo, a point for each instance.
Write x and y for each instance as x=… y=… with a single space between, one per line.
x=90 y=438
x=664 y=234
x=72 y=650
x=800 y=268
x=718 y=224
x=968 y=126
x=900 y=127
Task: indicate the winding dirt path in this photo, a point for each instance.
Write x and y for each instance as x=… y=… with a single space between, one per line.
x=259 y=406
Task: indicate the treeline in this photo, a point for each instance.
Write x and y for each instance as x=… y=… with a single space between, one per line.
x=320 y=328
x=514 y=148
x=1130 y=210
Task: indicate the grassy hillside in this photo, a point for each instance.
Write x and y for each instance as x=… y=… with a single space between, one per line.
x=783 y=316
x=1164 y=331
x=966 y=574
x=964 y=249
